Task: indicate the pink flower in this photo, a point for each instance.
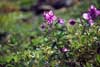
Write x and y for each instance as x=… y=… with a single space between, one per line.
x=49 y=17
x=64 y=49
x=91 y=15
x=60 y=21
x=72 y=21
x=43 y=25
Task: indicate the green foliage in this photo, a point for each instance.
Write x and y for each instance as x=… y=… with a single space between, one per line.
x=26 y=45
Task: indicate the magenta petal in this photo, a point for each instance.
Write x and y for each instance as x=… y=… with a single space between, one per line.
x=93 y=7
x=91 y=22
x=50 y=13
x=86 y=16
x=50 y=21
x=45 y=15
x=60 y=21
x=98 y=12
x=54 y=18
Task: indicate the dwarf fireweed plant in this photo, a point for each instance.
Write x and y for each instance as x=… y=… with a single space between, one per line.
x=61 y=42
x=91 y=14
x=49 y=17
x=71 y=45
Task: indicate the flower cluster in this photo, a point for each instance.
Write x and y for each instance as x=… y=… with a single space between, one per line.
x=91 y=14
x=51 y=18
